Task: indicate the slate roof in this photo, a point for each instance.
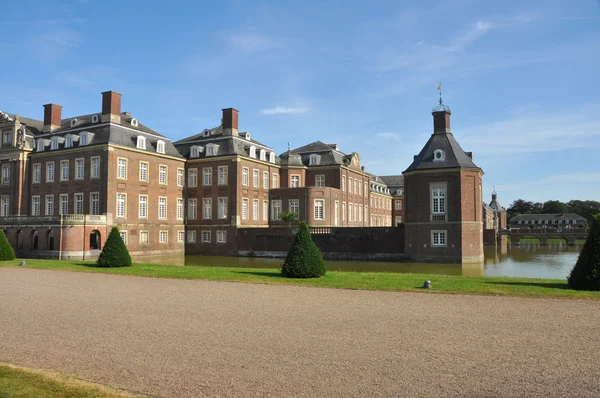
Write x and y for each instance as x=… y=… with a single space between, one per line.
x=329 y=153
x=314 y=147
x=393 y=181
x=543 y=217
x=291 y=158
x=494 y=204
x=455 y=157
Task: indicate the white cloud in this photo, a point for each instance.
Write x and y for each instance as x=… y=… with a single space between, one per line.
x=282 y=110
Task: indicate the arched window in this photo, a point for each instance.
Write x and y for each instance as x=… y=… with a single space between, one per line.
x=253 y=151
x=134 y=122
x=54 y=143
x=263 y=155
x=160 y=146
x=314 y=160
x=141 y=142
x=439 y=155
x=272 y=157
x=68 y=141
x=74 y=122
x=95 y=119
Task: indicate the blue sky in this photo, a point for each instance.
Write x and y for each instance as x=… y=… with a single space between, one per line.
x=521 y=77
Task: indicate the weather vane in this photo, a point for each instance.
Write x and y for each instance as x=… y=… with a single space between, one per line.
x=438 y=87
x=440 y=107
x=289 y=146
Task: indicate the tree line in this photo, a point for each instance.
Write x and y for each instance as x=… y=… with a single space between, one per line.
x=585 y=208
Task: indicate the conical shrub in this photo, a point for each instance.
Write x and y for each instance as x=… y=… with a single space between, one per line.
x=6 y=250
x=586 y=273
x=304 y=260
x=114 y=253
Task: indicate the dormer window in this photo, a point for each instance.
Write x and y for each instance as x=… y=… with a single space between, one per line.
x=253 y=151
x=314 y=160
x=272 y=157
x=40 y=145
x=195 y=151
x=68 y=141
x=74 y=122
x=85 y=138
x=263 y=155
x=211 y=149
x=141 y=142
x=134 y=122
x=206 y=133
x=95 y=119
x=439 y=155
x=248 y=136
x=160 y=146
x=54 y=143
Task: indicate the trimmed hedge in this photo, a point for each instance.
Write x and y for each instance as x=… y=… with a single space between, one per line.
x=6 y=250
x=586 y=273
x=304 y=260
x=114 y=253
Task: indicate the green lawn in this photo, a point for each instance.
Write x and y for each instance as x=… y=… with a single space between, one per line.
x=17 y=382
x=334 y=279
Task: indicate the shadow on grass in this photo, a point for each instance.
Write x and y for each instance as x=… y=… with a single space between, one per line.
x=550 y=285
x=95 y=265
x=261 y=273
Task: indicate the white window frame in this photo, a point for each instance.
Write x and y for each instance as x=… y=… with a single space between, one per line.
x=265 y=180
x=179 y=208
x=121 y=168
x=255 y=209
x=143 y=206
x=263 y=155
x=78 y=203
x=255 y=178
x=221 y=236
x=252 y=152
x=63 y=206
x=206 y=236
x=180 y=236
x=276 y=209
x=53 y=143
x=343 y=183
x=123 y=213
x=141 y=142
x=142 y=240
x=438 y=195
x=207 y=208
x=192 y=178
x=193 y=208
x=207 y=176
x=160 y=146
x=49 y=205
x=319 y=209
x=320 y=181
x=50 y=176
x=162 y=207
x=163 y=236
x=37 y=173
x=245 y=176
x=95 y=172
x=144 y=171
x=265 y=216
x=163 y=172
x=439 y=238
x=223 y=171
x=272 y=157
x=294 y=206
x=191 y=236
x=95 y=203
x=180 y=177
x=295 y=181
x=244 y=208
x=79 y=172
x=275 y=181
x=64 y=171
x=123 y=235
x=35 y=205
x=222 y=208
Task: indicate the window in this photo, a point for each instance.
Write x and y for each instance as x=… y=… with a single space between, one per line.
x=179 y=209
x=144 y=171
x=49 y=205
x=40 y=145
x=265 y=179
x=121 y=198
x=398 y=220
x=245 y=172
x=343 y=211
x=350 y=212
x=314 y=160
x=54 y=143
x=192 y=208
x=50 y=172
x=356 y=213
x=438 y=238
x=74 y=122
x=37 y=173
x=244 y=209
x=79 y=169
x=7 y=138
x=222 y=175
x=143 y=206
x=144 y=237
x=265 y=210
x=95 y=119
x=162 y=207
x=95 y=167
x=221 y=236
x=163 y=237
x=162 y=175
x=350 y=184
x=343 y=183
x=272 y=157
x=439 y=155
x=360 y=213
x=255 y=178
x=275 y=209
x=275 y=180
x=255 y=209
x=398 y=205
x=121 y=168
x=95 y=203
x=207 y=213
x=5 y=175
x=83 y=139
x=253 y=152
x=319 y=206
x=68 y=141
x=222 y=210
x=207 y=176
x=212 y=149
x=123 y=235
x=4 y=208
x=141 y=142
x=294 y=206
x=263 y=155
x=206 y=238
x=438 y=203
x=191 y=236
x=194 y=152
x=64 y=204
x=320 y=181
x=160 y=146
x=64 y=170
x=193 y=177
x=360 y=188
x=35 y=206
x=295 y=181
x=180 y=178
x=79 y=203
x=366 y=213
x=180 y=236
x=355 y=186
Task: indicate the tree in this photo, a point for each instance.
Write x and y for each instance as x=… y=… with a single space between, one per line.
x=114 y=253
x=554 y=207
x=586 y=272
x=304 y=260
x=6 y=250
x=289 y=217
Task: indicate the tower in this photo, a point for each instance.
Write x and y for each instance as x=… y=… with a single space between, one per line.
x=443 y=200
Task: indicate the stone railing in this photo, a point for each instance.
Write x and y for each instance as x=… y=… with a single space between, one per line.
x=67 y=219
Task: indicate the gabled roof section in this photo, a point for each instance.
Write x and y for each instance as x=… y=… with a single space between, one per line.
x=494 y=204
x=393 y=181
x=316 y=146
x=454 y=155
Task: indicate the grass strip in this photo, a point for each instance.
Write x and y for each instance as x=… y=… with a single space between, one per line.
x=387 y=281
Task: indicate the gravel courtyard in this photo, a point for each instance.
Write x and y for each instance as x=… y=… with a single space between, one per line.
x=183 y=338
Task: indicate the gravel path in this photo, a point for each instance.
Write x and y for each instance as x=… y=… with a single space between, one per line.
x=182 y=338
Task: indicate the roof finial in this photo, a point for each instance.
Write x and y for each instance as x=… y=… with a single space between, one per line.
x=439 y=88
x=494 y=191
x=289 y=146
x=440 y=107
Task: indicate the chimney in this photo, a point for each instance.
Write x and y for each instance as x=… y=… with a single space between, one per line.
x=52 y=117
x=111 y=107
x=230 y=121
x=470 y=155
x=441 y=121
x=494 y=195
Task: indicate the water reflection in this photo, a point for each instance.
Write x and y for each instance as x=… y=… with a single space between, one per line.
x=527 y=261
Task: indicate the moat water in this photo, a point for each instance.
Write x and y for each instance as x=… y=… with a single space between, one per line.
x=526 y=261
